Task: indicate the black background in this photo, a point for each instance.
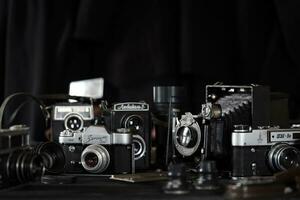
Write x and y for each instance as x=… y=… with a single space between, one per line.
x=137 y=44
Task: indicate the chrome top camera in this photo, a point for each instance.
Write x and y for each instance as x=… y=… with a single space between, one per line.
x=94 y=150
x=264 y=151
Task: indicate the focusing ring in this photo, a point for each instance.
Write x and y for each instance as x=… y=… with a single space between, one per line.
x=102 y=156
x=75 y=115
x=276 y=152
x=142 y=151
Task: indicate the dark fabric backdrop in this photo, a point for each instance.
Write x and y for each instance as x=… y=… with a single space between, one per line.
x=137 y=44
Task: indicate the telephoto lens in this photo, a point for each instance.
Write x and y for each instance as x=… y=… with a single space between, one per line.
x=165 y=100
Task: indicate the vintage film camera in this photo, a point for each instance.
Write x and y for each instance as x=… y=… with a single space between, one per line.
x=133 y=116
x=264 y=151
x=210 y=131
x=249 y=105
x=71 y=116
x=190 y=133
x=97 y=151
x=18 y=163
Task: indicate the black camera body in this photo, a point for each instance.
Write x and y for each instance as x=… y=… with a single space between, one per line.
x=73 y=116
x=93 y=150
x=264 y=151
x=136 y=117
x=18 y=164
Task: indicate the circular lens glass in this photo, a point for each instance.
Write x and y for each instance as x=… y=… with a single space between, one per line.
x=73 y=122
x=139 y=147
x=289 y=158
x=95 y=158
x=134 y=123
x=186 y=136
x=23 y=166
x=283 y=156
x=91 y=160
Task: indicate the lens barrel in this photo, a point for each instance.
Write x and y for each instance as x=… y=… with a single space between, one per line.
x=283 y=156
x=23 y=166
x=95 y=158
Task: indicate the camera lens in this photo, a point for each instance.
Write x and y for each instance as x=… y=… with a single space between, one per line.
x=187 y=136
x=139 y=147
x=95 y=158
x=91 y=160
x=134 y=123
x=23 y=166
x=283 y=156
x=52 y=155
x=73 y=122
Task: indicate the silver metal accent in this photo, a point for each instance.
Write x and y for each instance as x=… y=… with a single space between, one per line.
x=103 y=158
x=72 y=148
x=16 y=133
x=209 y=111
x=252 y=150
x=121 y=138
x=70 y=137
x=253 y=168
x=188 y=121
x=240 y=128
x=138 y=140
x=264 y=137
x=130 y=117
x=86 y=112
x=94 y=135
x=131 y=106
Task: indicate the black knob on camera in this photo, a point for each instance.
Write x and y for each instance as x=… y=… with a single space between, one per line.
x=207 y=179
x=177 y=183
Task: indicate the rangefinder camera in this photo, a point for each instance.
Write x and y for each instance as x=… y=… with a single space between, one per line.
x=95 y=150
x=264 y=151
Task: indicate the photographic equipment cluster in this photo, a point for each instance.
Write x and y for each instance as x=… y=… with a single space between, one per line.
x=114 y=141
x=229 y=138
x=20 y=162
